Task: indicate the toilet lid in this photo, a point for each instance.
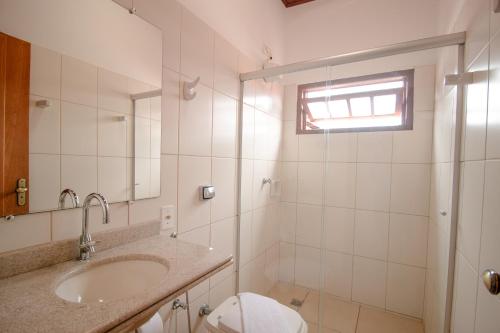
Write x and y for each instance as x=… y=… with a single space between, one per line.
x=232 y=306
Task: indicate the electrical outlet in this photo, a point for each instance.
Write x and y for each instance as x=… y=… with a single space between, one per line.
x=168 y=217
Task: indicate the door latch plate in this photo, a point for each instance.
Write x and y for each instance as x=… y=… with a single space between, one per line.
x=21 y=191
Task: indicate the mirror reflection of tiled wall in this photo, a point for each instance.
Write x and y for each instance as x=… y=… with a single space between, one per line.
x=85 y=139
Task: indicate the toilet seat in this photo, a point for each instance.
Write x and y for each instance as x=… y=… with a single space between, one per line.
x=232 y=304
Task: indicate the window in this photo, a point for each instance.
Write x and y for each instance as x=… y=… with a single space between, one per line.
x=380 y=102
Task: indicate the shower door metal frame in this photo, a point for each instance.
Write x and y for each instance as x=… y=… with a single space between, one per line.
x=453 y=39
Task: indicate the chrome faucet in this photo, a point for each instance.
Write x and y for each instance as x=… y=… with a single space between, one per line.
x=86 y=242
x=75 y=200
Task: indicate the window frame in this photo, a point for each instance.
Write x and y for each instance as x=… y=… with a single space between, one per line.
x=406 y=94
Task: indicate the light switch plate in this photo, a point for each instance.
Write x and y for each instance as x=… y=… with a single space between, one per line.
x=168 y=217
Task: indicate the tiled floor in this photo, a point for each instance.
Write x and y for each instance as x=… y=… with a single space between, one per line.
x=340 y=316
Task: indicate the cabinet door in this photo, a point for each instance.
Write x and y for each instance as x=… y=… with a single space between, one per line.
x=14 y=122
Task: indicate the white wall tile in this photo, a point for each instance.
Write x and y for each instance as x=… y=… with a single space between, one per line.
x=170 y=112
x=112 y=182
x=245 y=245
x=246 y=190
x=45 y=127
x=408 y=239
x=290 y=147
x=310 y=179
x=197 y=49
x=141 y=178
x=338 y=274
x=375 y=147
x=263 y=97
x=200 y=236
x=267 y=136
x=222 y=292
x=261 y=193
x=226 y=78
x=342 y=147
x=474 y=141
x=79 y=173
x=169 y=172
x=464 y=298
x=341 y=184
x=415 y=146
x=45 y=72
x=225 y=113
x=288 y=177
x=471 y=211
x=223 y=237
x=78 y=82
x=371 y=234
x=405 y=289
x=491 y=223
x=112 y=134
x=277 y=95
x=493 y=122
x=290 y=103
x=113 y=92
x=410 y=188
x=424 y=88
x=260 y=231
x=248 y=132
x=78 y=129
x=288 y=221
x=476 y=21
x=373 y=186
x=308 y=231
x=193 y=212
x=287 y=262
x=312 y=147
x=155 y=139
x=196 y=117
x=338 y=231
x=224 y=180
x=369 y=281
x=28 y=230
x=155 y=179
x=245 y=65
x=44 y=181
x=142 y=137
x=307 y=266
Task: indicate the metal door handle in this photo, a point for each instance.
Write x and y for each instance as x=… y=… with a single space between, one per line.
x=491 y=281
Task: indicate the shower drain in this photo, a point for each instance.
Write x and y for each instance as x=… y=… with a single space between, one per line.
x=296 y=302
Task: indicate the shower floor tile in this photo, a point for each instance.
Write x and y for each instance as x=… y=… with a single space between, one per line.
x=340 y=316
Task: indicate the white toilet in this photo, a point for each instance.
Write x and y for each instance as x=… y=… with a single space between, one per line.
x=232 y=304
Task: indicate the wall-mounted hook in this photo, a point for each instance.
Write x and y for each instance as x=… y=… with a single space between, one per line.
x=188 y=89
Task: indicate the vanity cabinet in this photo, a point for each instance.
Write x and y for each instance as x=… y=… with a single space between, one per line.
x=14 y=125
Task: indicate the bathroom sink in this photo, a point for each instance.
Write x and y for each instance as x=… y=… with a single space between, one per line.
x=111 y=280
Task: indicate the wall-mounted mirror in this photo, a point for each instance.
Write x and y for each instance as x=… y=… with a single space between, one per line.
x=93 y=103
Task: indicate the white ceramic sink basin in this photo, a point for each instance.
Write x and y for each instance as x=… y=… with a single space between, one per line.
x=112 y=280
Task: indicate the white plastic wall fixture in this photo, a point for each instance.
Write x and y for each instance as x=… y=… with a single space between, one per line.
x=188 y=89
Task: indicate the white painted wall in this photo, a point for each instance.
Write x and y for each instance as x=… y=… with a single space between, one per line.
x=329 y=27
x=247 y=24
x=85 y=30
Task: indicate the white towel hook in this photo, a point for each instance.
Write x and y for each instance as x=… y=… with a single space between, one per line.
x=188 y=89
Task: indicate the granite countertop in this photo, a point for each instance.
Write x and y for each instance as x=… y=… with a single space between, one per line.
x=28 y=301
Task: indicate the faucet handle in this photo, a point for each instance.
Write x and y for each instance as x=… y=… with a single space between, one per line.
x=89 y=245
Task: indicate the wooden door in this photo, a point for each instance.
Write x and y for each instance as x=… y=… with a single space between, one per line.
x=15 y=57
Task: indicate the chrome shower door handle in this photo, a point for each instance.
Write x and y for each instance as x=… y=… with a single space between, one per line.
x=491 y=280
